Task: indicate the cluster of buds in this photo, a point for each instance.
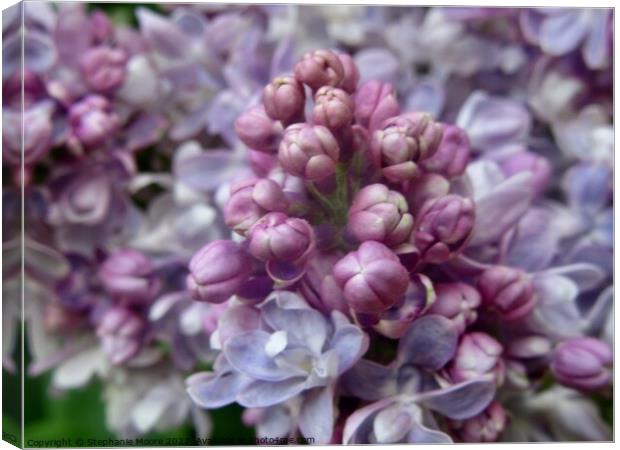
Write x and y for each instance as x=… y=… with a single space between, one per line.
x=353 y=157
x=360 y=209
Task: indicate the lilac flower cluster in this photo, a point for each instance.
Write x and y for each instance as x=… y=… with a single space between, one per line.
x=109 y=227
x=384 y=285
x=407 y=241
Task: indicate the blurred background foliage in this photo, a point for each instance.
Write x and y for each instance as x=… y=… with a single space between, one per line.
x=80 y=414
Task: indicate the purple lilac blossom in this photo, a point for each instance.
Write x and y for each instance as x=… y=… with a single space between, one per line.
x=421 y=231
x=461 y=201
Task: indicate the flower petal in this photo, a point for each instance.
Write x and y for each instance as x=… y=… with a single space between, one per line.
x=316 y=416
x=162 y=34
x=560 y=33
x=349 y=343
x=556 y=313
x=430 y=342
x=263 y=393
x=501 y=208
x=216 y=390
x=460 y=401
x=370 y=381
x=420 y=434
x=392 y=424
x=247 y=353
x=491 y=122
x=305 y=327
x=359 y=425
x=206 y=171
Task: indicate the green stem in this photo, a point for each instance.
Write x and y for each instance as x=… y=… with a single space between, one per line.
x=341 y=185
x=320 y=197
x=356 y=164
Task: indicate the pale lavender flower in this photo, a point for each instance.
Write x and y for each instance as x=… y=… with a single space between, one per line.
x=298 y=352
x=404 y=397
x=493 y=122
x=526 y=161
x=559 y=31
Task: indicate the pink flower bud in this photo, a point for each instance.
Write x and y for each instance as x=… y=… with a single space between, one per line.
x=429 y=133
x=333 y=108
x=402 y=142
x=478 y=354
x=103 y=68
x=452 y=155
x=258 y=131
x=351 y=73
x=507 y=290
x=93 y=120
x=320 y=68
x=277 y=237
x=318 y=286
x=375 y=102
x=218 y=271
x=378 y=214
x=261 y=163
x=583 y=363
x=128 y=275
x=372 y=278
x=310 y=152
x=250 y=200
x=458 y=302
x=443 y=227
x=525 y=161
x=426 y=187
x=284 y=99
x=485 y=427
x=120 y=331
